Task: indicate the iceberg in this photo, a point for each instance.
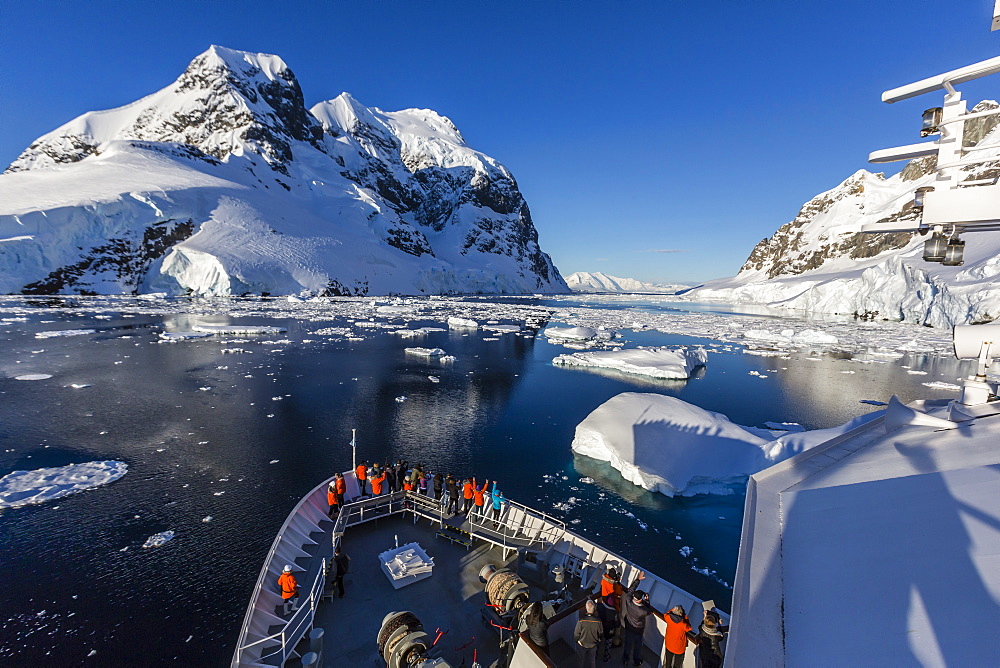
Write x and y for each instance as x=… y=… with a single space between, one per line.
x=663 y=363
x=22 y=488
x=667 y=445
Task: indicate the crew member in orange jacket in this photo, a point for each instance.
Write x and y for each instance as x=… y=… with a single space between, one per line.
x=362 y=475
x=377 y=483
x=467 y=493
x=478 y=493
x=340 y=487
x=675 y=639
x=289 y=589
x=331 y=499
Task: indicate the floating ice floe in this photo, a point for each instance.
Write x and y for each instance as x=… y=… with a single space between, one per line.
x=400 y=399
x=79 y=386
x=174 y=337
x=666 y=363
x=159 y=539
x=414 y=333
x=434 y=379
x=669 y=446
x=939 y=385
x=579 y=333
x=454 y=322
x=425 y=352
x=22 y=488
x=789 y=336
x=502 y=329
x=33 y=376
x=64 y=332
x=238 y=329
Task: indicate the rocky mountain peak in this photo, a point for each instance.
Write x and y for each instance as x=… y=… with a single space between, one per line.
x=226 y=102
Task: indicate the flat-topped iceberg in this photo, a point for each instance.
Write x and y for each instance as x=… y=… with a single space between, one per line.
x=666 y=363
x=669 y=446
x=238 y=329
x=22 y=488
x=454 y=322
x=578 y=333
x=425 y=352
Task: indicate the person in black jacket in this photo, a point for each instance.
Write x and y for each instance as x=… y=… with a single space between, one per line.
x=438 y=485
x=454 y=494
x=710 y=635
x=537 y=626
x=635 y=609
x=400 y=474
x=341 y=564
x=390 y=478
x=588 y=634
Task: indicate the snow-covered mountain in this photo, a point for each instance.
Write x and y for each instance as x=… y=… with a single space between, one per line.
x=821 y=262
x=224 y=183
x=585 y=281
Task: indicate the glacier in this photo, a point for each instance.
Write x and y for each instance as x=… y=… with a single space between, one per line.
x=224 y=183
x=820 y=262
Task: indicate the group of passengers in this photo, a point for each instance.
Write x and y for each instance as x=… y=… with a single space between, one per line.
x=616 y=616
x=451 y=492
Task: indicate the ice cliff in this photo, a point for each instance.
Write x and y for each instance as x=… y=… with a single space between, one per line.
x=225 y=183
x=669 y=446
x=820 y=262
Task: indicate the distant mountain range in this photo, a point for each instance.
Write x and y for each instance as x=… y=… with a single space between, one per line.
x=224 y=183
x=584 y=281
x=820 y=262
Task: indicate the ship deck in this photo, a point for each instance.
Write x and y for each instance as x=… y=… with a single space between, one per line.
x=450 y=602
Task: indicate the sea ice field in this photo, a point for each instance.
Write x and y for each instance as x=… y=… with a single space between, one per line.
x=222 y=413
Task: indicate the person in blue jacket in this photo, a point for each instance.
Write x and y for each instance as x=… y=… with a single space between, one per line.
x=498 y=501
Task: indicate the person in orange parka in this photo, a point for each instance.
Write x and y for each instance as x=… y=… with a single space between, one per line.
x=377 y=483
x=362 y=475
x=612 y=586
x=467 y=493
x=289 y=589
x=332 y=500
x=340 y=487
x=675 y=639
x=479 y=493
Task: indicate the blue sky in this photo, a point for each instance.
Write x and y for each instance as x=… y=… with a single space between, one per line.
x=633 y=128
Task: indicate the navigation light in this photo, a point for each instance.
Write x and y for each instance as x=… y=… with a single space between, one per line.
x=931 y=121
x=935 y=248
x=953 y=255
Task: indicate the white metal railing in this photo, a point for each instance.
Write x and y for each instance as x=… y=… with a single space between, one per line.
x=318 y=495
x=296 y=627
x=518 y=524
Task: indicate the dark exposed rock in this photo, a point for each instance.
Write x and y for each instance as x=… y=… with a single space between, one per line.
x=126 y=258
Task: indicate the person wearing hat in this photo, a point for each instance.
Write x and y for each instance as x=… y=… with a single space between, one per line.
x=635 y=606
x=675 y=639
x=289 y=589
x=612 y=586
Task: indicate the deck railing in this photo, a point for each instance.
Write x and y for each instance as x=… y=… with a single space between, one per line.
x=518 y=524
x=296 y=627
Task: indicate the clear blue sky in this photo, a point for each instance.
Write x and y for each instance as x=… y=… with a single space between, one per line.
x=633 y=128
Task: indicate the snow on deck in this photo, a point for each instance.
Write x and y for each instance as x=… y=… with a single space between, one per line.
x=894 y=535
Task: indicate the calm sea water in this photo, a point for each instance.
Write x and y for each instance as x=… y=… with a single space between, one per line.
x=200 y=429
